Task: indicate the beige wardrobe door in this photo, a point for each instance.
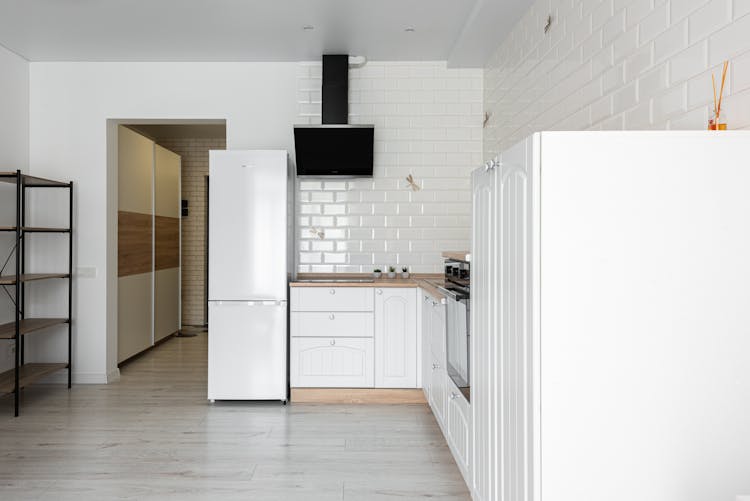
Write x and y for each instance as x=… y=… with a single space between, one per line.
x=166 y=243
x=134 y=243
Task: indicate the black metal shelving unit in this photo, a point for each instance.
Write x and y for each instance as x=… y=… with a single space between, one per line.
x=24 y=374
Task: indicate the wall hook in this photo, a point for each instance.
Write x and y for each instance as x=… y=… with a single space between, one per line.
x=320 y=233
x=548 y=25
x=412 y=184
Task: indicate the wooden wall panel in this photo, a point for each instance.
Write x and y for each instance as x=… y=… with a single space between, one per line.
x=134 y=243
x=167 y=242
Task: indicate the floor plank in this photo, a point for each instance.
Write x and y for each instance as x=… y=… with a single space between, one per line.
x=153 y=435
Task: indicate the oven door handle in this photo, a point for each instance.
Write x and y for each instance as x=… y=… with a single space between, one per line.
x=453 y=295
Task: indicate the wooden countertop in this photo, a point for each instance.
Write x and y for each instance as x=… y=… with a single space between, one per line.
x=464 y=256
x=426 y=281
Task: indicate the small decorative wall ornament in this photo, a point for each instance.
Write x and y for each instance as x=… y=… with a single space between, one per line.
x=412 y=183
x=487 y=116
x=548 y=25
x=715 y=122
x=320 y=233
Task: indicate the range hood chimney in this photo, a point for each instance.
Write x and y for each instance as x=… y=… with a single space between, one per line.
x=335 y=148
x=335 y=109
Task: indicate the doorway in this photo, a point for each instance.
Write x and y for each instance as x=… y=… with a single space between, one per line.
x=191 y=143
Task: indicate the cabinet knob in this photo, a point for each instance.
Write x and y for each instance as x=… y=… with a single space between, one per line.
x=333 y=342
x=435 y=366
x=380 y=291
x=453 y=395
x=331 y=316
x=332 y=291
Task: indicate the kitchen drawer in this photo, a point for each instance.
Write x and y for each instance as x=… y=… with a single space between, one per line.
x=332 y=298
x=332 y=324
x=332 y=362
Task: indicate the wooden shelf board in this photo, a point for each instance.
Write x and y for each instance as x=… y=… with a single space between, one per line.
x=31 y=181
x=30 y=277
x=29 y=325
x=27 y=374
x=36 y=229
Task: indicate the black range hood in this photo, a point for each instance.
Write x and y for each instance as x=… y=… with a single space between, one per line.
x=335 y=148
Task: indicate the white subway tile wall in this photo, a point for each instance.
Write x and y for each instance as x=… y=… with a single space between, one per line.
x=428 y=123
x=617 y=64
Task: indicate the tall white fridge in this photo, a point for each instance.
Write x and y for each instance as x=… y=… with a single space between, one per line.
x=247 y=284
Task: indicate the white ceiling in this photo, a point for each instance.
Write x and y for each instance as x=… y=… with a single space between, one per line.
x=464 y=32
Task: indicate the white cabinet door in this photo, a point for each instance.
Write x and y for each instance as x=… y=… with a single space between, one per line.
x=331 y=298
x=438 y=378
x=426 y=315
x=331 y=324
x=437 y=332
x=331 y=362
x=512 y=351
x=395 y=338
x=459 y=430
x=483 y=333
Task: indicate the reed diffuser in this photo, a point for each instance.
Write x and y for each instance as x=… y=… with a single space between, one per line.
x=715 y=122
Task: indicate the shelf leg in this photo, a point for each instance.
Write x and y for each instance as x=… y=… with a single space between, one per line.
x=21 y=254
x=19 y=190
x=70 y=288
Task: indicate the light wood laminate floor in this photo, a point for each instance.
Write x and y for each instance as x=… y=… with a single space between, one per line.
x=153 y=435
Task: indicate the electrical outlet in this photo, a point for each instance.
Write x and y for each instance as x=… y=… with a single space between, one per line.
x=86 y=272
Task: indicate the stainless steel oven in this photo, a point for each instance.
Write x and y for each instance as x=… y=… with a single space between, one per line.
x=458 y=332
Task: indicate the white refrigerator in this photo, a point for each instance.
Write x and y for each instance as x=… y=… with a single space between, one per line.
x=247 y=275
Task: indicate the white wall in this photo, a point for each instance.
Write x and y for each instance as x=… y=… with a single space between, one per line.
x=617 y=64
x=428 y=123
x=70 y=106
x=14 y=154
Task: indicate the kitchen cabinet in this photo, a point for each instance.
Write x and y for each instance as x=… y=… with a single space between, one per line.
x=439 y=377
x=395 y=337
x=332 y=324
x=332 y=298
x=638 y=336
x=483 y=324
x=353 y=337
x=459 y=424
x=343 y=362
x=425 y=312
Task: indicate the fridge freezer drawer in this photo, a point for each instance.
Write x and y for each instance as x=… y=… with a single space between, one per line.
x=332 y=298
x=332 y=362
x=332 y=324
x=247 y=350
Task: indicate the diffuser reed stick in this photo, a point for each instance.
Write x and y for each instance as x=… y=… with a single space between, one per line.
x=715 y=122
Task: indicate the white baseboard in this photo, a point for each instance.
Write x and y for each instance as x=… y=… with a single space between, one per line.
x=113 y=376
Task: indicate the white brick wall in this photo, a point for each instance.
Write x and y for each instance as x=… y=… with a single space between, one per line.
x=428 y=123
x=618 y=64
